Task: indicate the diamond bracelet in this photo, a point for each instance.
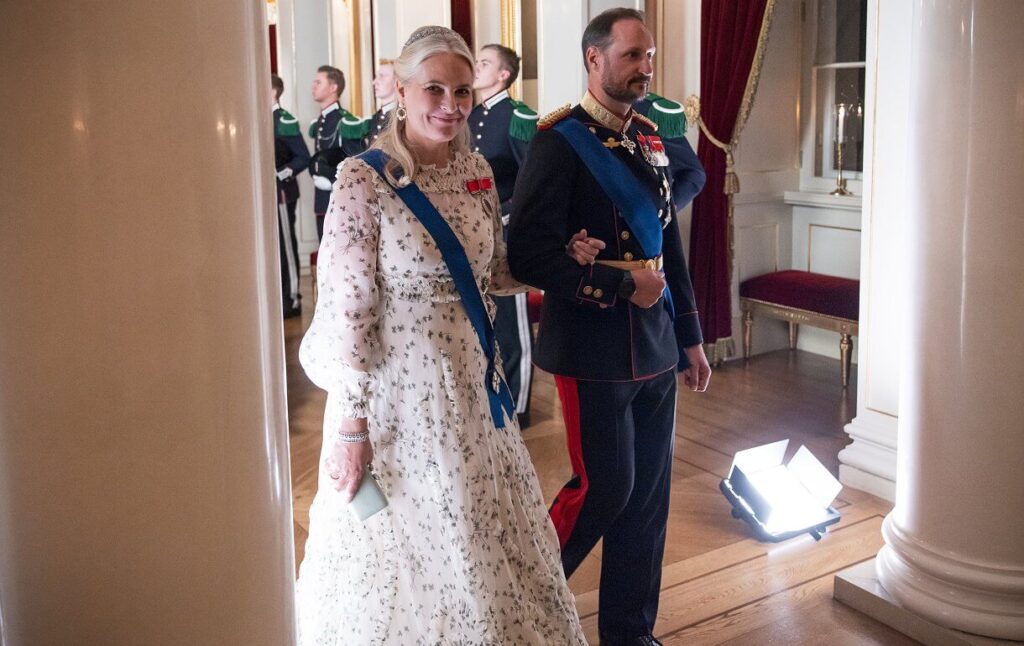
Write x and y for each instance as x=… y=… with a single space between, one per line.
x=354 y=439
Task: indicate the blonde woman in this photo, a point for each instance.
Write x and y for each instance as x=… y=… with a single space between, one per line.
x=464 y=553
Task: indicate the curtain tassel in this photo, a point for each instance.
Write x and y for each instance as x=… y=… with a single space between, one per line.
x=731 y=186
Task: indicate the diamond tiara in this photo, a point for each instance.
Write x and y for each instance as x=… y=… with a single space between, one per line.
x=429 y=30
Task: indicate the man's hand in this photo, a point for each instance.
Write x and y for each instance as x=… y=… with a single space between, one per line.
x=582 y=249
x=697 y=376
x=285 y=173
x=649 y=286
x=322 y=183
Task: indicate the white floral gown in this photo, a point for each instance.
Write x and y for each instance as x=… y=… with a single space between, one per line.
x=465 y=553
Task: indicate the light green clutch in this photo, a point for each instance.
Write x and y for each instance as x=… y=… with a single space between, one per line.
x=369 y=499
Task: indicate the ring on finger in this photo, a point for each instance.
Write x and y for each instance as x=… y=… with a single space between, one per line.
x=335 y=476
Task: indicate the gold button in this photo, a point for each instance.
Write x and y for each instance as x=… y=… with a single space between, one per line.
x=624 y=235
x=588 y=290
x=598 y=293
x=627 y=256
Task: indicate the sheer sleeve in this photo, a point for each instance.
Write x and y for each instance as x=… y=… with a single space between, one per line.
x=341 y=349
x=502 y=283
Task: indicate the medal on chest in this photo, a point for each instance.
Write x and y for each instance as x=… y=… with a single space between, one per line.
x=653 y=149
x=479 y=185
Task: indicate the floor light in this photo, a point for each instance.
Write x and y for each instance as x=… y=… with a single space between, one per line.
x=779 y=500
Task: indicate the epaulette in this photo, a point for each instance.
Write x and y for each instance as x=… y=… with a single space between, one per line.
x=554 y=117
x=353 y=127
x=639 y=118
x=286 y=125
x=312 y=129
x=523 y=124
x=668 y=115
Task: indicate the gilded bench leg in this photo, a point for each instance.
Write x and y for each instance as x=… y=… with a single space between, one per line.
x=794 y=329
x=312 y=273
x=845 y=358
x=748 y=332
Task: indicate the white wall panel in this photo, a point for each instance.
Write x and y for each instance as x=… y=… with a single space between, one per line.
x=561 y=78
x=385 y=28
x=413 y=14
x=869 y=463
x=303 y=37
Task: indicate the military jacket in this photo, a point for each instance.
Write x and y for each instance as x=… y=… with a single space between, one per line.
x=289 y=151
x=335 y=128
x=378 y=122
x=501 y=130
x=586 y=330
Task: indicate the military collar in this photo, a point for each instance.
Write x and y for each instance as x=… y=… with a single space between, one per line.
x=388 y=107
x=603 y=115
x=277 y=106
x=497 y=98
x=329 y=109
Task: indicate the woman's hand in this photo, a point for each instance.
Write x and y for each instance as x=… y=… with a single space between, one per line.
x=582 y=249
x=347 y=461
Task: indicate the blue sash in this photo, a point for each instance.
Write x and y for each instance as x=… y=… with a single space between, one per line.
x=622 y=189
x=454 y=256
x=619 y=184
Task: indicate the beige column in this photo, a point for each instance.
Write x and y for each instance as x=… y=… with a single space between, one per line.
x=144 y=487
x=954 y=549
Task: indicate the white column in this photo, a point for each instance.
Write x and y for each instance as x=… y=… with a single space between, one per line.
x=954 y=549
x=144 y=485
x=560 y=75
x=868 y=463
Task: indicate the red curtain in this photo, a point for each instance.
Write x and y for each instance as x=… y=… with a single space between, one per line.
x=273 y=49
x=729 y=32
x=462 y=20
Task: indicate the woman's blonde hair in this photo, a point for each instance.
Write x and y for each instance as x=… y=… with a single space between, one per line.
x=422 y=44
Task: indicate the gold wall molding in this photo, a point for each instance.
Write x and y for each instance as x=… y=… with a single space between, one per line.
x=355 y=44
x=512 y=37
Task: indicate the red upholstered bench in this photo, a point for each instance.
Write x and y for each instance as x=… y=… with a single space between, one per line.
x=802 y=297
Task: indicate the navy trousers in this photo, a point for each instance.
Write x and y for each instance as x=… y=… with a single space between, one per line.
x=620 y=437
x=288 y=246
x=515 y=341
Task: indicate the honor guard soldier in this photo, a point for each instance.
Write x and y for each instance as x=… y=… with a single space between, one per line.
x=670 y=118
x=336 y=130
x=616 y=332
x=386 y=92
x=291 y=157
x=501 y=129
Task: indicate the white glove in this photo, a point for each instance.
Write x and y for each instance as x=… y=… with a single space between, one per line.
x=284 y=173
x=322 y=183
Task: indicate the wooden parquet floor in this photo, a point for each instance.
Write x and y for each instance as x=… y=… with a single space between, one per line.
x=719 y=585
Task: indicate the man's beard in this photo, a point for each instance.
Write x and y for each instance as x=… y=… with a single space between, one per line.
x=625 y=92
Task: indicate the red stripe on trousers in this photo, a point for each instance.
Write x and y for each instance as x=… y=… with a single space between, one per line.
x=566 y=509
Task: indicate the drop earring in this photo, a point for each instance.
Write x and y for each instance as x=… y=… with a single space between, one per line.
x=400 y=112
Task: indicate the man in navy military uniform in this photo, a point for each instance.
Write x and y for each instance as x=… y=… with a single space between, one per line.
x=501 y=129
x=386 y=93
x=291 y=157
x=336 y=134
x=614 y=333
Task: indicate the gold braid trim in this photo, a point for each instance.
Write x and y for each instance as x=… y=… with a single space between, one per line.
x=644 y=120
x=554 y=117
